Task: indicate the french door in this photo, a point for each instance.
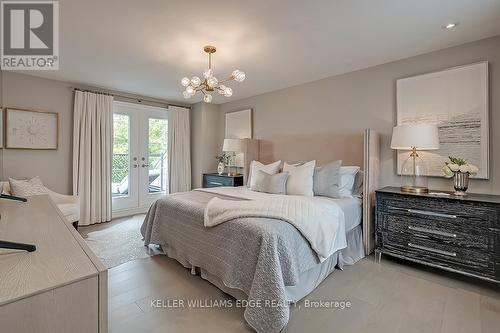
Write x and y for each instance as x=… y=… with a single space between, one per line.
x=140 y=155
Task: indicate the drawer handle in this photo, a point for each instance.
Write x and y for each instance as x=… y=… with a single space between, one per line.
x=425 y=212
x=434 y=232
x=430 y=249
x=215 y=183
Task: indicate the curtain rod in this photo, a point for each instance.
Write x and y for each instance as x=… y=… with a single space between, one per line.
x=138 y=99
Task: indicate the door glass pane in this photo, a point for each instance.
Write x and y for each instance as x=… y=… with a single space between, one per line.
x=120 y=174
x=157 y=155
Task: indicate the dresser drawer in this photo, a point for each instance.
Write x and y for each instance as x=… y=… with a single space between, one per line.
x=439 y=209
x=448 y=254
x=439 y=231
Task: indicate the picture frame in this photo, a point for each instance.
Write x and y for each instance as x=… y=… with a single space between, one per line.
x=29 y=129
x=239 y=124
x=457 y=101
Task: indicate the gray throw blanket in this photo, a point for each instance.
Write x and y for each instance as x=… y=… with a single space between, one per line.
x=259 y=256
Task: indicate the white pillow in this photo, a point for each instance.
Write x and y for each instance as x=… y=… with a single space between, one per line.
x=255 y=166
x=27 y=187
x=347 y=179
x=300 y=179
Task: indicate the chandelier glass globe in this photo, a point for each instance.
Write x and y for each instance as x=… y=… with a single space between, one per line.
x=228 y=92
x=212 y=81
x=185 y=81
x=207 y=98
x=238 y=75
x=195 y=81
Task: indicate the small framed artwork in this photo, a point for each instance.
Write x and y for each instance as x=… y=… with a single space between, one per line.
x=26 y=129
x=239 y=124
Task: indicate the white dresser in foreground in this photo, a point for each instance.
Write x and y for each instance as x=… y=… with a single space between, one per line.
x=62 y=286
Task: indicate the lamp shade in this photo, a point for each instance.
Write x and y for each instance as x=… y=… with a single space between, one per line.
x=419 y=136
x=233 y=145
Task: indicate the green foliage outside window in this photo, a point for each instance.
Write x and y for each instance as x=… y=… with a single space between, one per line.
x=157 y=144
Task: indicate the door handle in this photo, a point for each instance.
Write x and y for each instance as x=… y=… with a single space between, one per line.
x=135 y=165
x=145 y=165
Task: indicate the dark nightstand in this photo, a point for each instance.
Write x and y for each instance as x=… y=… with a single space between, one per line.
x=216 y=180
x=459 y=234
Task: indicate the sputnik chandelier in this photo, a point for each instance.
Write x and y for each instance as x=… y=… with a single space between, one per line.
x=210 y=83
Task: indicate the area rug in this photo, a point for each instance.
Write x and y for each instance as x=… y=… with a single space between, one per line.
x=118 y=241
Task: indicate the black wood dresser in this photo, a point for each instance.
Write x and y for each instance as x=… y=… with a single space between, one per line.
x=459 y=234
x=216 y=180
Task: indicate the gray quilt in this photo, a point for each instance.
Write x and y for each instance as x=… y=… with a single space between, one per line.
x=259 y=256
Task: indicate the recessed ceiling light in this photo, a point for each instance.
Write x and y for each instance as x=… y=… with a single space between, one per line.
x=450 y=25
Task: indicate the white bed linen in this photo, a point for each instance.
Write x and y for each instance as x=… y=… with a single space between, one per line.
x=352 y=207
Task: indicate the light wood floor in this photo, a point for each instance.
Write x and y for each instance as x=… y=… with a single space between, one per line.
x=388 y=297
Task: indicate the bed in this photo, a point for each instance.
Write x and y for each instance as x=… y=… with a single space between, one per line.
x=267 y=261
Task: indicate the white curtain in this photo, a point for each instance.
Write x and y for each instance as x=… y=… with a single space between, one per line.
x=179 y=150
x=92 y=154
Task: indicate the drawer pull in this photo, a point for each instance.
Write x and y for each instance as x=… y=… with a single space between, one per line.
x=429 y=249
x=425 y=212
x=215 y=183
x=434 y=232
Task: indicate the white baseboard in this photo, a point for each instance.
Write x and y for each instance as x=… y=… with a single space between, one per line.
x=129 y=212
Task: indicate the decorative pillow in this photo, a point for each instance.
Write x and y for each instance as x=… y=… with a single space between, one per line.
x=255 y=166
x=326 y=180
x=347 y=180
x=275 y=184
x=27 y=187
x=357 y=189
x=300 y=180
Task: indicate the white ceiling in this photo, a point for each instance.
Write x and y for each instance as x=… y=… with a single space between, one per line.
x=146 y=47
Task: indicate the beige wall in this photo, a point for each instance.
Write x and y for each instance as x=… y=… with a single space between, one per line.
x=32 y=93
x=205 y=124
x=367 y=99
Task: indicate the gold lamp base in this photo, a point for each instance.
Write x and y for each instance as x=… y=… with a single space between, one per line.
x=414 y=189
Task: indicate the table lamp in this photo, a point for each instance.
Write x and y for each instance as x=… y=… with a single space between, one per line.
x=415 y=137
x=233 y=146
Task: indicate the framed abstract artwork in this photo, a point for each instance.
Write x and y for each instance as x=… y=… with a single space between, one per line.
x=457 y=101
x=239 y=124
x=26 y=129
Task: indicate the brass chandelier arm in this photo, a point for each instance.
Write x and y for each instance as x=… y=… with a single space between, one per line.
x=231 y=78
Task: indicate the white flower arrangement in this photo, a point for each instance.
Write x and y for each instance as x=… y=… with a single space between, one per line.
x=458 y=165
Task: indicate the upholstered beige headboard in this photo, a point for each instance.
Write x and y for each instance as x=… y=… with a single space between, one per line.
x=353 y=149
